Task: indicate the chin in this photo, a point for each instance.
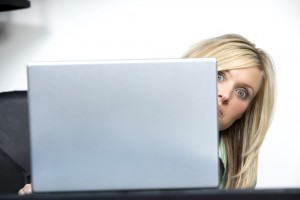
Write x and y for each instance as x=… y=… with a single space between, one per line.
x=223 y=127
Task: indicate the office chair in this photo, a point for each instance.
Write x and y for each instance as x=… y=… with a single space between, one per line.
x=14 y=141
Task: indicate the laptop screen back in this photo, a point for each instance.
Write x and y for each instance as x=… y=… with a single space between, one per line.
x=123 y=125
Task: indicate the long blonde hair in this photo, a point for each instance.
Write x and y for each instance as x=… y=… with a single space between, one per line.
x=243 y=139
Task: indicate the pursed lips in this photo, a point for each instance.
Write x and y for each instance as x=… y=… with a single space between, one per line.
x=220 y=111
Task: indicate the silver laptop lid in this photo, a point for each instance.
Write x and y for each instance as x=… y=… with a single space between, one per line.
x=123 y=125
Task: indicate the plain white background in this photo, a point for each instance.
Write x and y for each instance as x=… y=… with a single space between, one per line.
x=53 y=30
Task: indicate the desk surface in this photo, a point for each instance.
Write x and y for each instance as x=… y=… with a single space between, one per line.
x=273 y=194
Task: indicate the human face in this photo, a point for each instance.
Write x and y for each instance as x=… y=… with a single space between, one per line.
x=236 y=89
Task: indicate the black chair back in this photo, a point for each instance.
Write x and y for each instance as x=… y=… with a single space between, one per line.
x=14 y=141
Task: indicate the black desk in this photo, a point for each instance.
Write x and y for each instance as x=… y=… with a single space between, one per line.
x=274 y=194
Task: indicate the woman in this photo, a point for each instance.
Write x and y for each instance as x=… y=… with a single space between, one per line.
x=245 y=101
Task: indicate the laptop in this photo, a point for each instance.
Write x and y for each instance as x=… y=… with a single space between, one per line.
x=123 y=125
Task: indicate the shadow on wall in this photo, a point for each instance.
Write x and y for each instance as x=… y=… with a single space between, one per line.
x=20 y=43
x=17 y=39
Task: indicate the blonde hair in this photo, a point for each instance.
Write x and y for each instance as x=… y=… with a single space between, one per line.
x=242 y=139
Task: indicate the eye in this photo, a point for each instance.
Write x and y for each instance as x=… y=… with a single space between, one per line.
x=242 y=93
x=221 y=76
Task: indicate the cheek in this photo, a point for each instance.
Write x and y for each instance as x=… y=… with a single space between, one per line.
x=239 y=109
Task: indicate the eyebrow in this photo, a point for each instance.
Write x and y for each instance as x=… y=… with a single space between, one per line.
x=243 y=84
x=249 y=87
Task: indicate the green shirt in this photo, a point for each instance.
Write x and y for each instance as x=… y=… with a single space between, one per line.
x=223 y=164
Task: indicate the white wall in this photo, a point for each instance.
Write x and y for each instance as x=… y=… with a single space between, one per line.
x=116 y=29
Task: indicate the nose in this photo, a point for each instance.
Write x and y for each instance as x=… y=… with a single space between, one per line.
x=223 y=96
